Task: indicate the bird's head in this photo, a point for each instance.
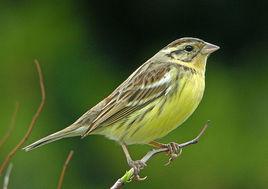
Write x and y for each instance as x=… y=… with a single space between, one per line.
x=191 y=52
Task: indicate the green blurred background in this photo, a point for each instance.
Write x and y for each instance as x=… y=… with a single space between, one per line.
x=87 y=48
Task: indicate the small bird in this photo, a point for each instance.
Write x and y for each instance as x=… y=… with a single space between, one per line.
x=154 y=100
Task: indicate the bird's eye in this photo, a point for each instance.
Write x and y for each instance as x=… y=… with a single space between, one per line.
x=188 y=48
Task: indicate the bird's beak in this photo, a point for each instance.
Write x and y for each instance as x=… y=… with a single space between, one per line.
x=209 y=48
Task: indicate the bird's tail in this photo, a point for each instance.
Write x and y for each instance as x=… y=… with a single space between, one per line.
x=70 y=131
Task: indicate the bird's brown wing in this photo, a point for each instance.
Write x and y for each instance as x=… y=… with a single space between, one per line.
x=144 y=86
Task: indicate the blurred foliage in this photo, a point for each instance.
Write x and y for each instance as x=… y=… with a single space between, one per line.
x=86 y=48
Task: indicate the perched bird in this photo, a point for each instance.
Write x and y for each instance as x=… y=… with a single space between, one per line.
x=154 y=100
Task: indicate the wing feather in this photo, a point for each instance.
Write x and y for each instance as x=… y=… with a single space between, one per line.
x=135 y=93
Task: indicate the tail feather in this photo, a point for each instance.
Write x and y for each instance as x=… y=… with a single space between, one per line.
x=70 y=131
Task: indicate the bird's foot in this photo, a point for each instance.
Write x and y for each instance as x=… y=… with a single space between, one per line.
x=137 y=166
x=174 y=151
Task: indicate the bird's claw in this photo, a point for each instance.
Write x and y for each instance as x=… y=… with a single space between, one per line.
x=138 y=178
x=173 y=152
x=137 y=167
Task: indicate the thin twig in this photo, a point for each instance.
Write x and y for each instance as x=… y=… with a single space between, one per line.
x=11 y=126
x=7 y=175
x=70 y=155
x=127 y=177
x=32 y=124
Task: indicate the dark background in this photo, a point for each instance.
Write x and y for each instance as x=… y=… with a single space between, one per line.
x=87 y=48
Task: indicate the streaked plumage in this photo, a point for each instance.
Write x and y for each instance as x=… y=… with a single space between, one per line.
x=158 y=97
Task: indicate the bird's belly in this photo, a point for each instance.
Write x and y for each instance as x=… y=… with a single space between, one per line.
x=161 y=117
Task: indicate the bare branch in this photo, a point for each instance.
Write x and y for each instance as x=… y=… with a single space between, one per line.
x=32 y=124
x=70 y=155
x=7 y=175
x=11 y=126
x=127 y=177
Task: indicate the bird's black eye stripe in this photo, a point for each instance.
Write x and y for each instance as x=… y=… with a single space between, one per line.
x=179 y=51
x=188 y=48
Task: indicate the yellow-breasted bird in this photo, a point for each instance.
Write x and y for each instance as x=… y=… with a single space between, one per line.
x=154 y=100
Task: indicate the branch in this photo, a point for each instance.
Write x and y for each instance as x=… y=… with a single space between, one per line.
x=7 y=175
x=11 y=126
x=127 y=177
x=32 y=124
x=64 y=169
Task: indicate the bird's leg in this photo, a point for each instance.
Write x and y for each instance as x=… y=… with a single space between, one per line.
x=136 y=165
x=173 y=149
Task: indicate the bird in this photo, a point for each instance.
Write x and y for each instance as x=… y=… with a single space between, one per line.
x=153 y=101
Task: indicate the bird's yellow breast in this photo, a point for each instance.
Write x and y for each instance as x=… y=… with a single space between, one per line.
x=163 y=115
